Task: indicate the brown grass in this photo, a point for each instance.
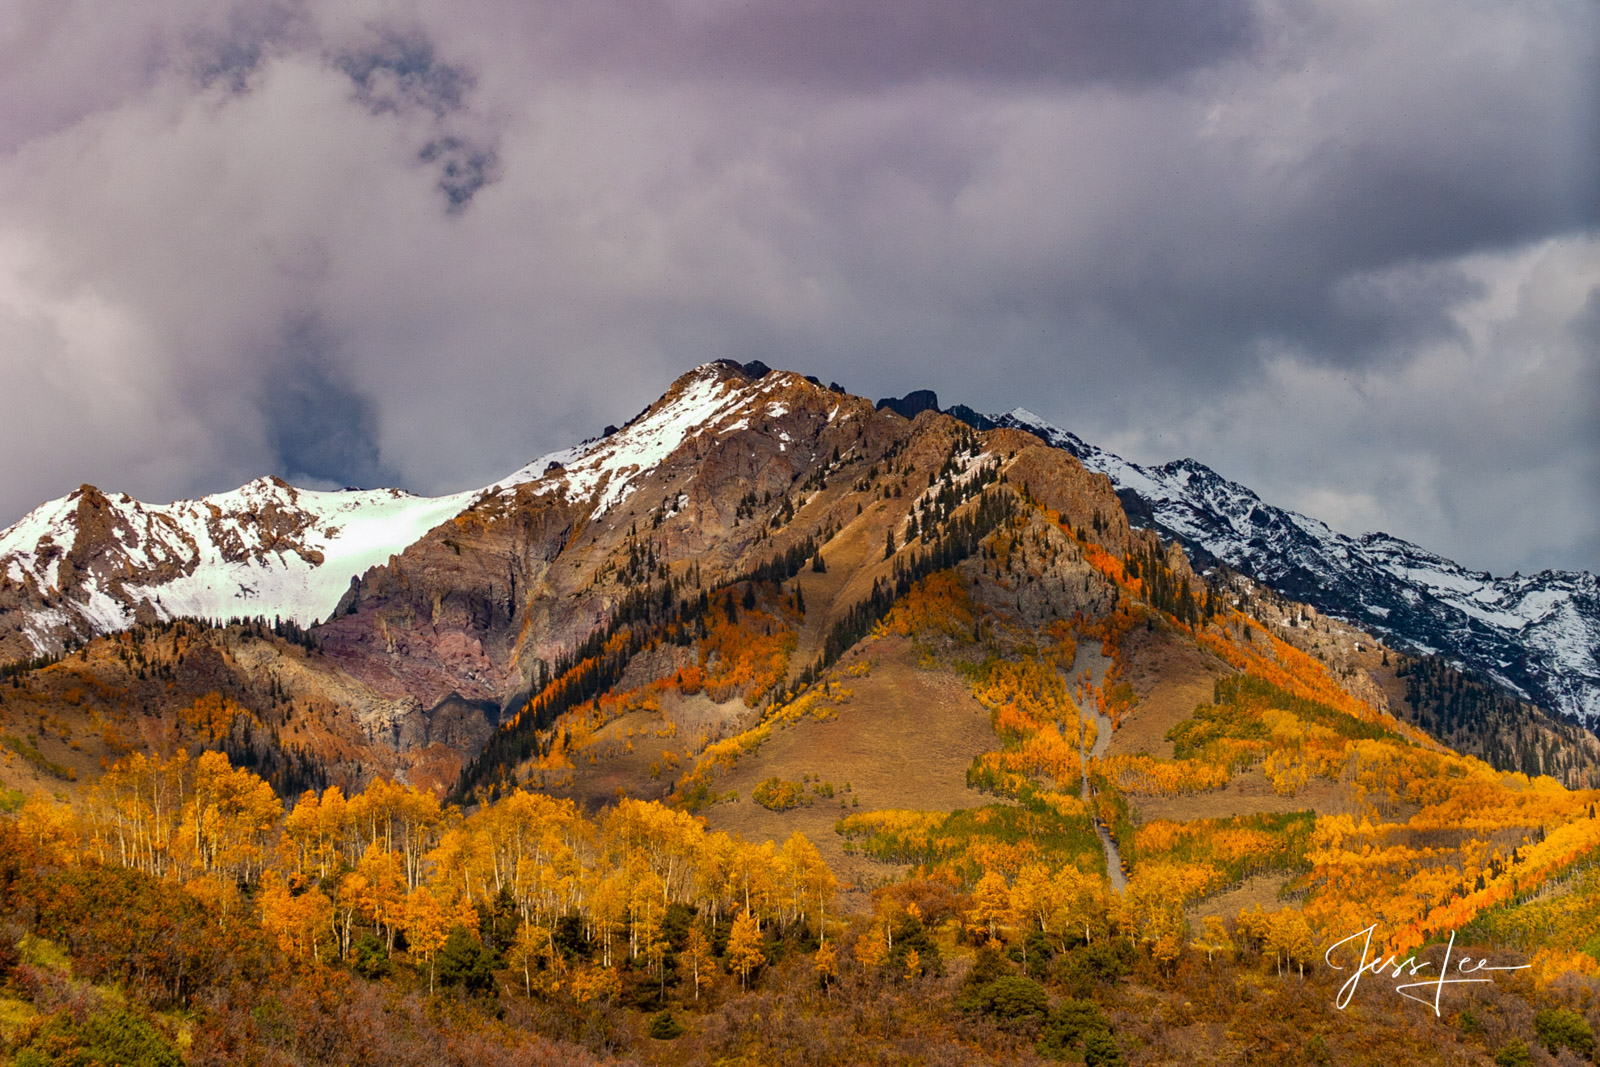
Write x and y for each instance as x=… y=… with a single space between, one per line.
x=1169 y=679
x=904 y=740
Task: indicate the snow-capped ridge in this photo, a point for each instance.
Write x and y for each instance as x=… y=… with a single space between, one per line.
x=1538 y=635
x=272 y=548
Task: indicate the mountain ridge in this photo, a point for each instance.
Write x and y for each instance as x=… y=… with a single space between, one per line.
x=92 y=562
x=1538 y=635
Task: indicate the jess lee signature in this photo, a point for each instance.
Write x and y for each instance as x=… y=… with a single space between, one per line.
x=1408 y=967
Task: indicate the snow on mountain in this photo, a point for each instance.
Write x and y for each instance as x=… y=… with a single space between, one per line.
x=1538 y=635
x=90 y=563
x=607 y=470
x=264 y=548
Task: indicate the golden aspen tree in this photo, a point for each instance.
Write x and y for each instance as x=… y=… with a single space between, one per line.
x=808 y=884
x=872 y=947
x=697 y=956
x=1077 y=902
x=301 y=830
x=381 y=891
x=607 y=895
x=348 y=902
x=336 y=841
x=744 y=947
x=50 y=826
x=534 y=943
x=991 y=906
x=1215 y=937
x=592 y=983
x=826 y=967
x=427 y=927
x=1290 y=940
x=300 y=922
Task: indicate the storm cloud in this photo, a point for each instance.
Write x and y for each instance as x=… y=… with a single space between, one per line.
x=1346 y=254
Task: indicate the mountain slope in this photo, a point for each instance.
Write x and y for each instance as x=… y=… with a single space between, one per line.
x=89 y=563
x=1537 y=635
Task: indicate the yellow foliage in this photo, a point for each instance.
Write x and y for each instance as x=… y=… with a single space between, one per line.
x=1153 y=776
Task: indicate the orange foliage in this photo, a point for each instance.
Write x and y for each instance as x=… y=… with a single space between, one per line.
x=211 y=717
x=936 y=605
x=748 y=657
x=1292 y=670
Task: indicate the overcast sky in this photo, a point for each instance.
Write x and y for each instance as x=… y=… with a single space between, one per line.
x=1344 y=251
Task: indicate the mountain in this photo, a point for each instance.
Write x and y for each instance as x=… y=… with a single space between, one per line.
x=1539 y=635
x=447 y=624
x=91 y=563
x=616 y=563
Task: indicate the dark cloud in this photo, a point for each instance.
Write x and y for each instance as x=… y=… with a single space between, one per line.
x=231 y=46
x=463 y=168
x=399 y=70
x=851 y=45
x=323 y=429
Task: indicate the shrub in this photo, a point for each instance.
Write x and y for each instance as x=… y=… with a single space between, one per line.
x=988 y=966
x=1514 y=1054
x=1009 y=998
x=1069 y=1028
x=1087 y=966
x=1100 y=1050
x=1562 y=1028
x=775 y=794
x=664 y=1027
x=117 y=1037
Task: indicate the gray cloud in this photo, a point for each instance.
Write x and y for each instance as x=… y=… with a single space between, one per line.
x=324 y=431
x=854 y=45
x=1338 y=252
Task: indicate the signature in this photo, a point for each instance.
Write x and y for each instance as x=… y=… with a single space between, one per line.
x=1408 y=967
